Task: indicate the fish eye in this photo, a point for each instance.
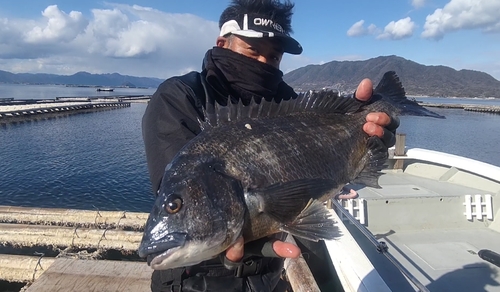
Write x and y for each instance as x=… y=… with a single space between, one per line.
x=173 y=205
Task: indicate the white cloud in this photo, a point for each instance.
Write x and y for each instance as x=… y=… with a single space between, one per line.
x=418 y=3
x=400 y=29
x=358 y=29
x=58 y=27
x=463 y=14
x=131 y=40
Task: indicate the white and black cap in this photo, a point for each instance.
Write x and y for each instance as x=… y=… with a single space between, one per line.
x=258 y=26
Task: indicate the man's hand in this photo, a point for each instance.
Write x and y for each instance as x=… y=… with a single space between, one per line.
x=282 y=249
x=377 y=124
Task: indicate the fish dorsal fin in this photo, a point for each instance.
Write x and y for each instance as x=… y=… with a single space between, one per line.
x=325 y=101
x=377 y=158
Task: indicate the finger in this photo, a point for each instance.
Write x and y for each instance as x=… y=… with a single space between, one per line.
x=235 y=252
x=373 y=129
x=389 y=138
x=352 y=195
x=393 y=124
x=286 y=249
x=365 y=90
x=380 y=118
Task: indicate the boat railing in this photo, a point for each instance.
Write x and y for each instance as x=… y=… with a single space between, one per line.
x=476 y=167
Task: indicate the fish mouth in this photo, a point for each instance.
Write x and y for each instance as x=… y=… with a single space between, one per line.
x=155 y=260
x=157 y=251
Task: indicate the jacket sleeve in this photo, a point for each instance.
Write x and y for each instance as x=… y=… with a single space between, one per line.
x=169 y=122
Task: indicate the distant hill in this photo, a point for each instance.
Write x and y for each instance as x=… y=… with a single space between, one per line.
x=417 y=79
x=80 y=78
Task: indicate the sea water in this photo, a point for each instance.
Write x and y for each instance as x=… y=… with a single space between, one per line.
x=96 y=160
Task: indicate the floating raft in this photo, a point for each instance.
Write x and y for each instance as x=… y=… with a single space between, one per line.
x=88 y=275
x=12 y=112
x=62 y=250
x=72 y=250
x=468 y=107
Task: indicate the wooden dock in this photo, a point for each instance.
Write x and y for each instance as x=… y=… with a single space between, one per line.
x=468 y=107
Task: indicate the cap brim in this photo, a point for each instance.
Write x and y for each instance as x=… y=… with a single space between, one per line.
x=290 y=45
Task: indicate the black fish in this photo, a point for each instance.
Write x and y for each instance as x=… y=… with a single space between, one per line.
x=263 y=168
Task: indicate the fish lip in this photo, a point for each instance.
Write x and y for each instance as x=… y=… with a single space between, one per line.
x=152 y=249
x=157 y=258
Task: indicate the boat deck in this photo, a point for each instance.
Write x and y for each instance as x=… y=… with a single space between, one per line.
x=421 y=214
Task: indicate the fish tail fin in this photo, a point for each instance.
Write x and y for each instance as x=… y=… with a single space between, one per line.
x=391 y=90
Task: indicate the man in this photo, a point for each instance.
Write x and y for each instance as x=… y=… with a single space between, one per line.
x=243 y=65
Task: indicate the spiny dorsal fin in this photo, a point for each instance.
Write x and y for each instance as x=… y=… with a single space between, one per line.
x=319 y=101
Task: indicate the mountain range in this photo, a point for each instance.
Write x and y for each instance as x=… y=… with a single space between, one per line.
x=80 y=78
x=417 y=79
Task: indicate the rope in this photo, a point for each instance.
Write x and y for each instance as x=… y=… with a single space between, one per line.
x=38 y=264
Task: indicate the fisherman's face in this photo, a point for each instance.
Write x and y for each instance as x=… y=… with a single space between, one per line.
x=262 y=49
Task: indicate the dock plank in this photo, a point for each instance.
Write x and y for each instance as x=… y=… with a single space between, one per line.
x=75 y=275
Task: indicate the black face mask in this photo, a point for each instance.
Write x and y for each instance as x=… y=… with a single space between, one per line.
x=244 y=77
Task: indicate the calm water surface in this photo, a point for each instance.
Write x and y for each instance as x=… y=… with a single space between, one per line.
x=97 y=161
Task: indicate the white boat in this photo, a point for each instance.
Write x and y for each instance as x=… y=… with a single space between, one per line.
x=423 y=230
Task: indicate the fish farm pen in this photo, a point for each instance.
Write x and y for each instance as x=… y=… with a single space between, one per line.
x=49 y=249
x=468 y=107
x=15 y=111
x=71 y=250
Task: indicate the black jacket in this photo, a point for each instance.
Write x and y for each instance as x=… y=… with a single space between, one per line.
x=171 y=117
x=170 y=120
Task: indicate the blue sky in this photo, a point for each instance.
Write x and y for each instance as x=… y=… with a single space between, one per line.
x=165 y=38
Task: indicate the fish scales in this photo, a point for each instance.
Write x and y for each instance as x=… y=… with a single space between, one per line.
x=305 y=145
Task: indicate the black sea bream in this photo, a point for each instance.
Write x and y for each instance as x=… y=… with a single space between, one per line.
x=263 y=168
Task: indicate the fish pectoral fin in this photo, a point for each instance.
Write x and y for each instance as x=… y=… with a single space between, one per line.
x=377 y=158
x=313 y=223
x=284 y=201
